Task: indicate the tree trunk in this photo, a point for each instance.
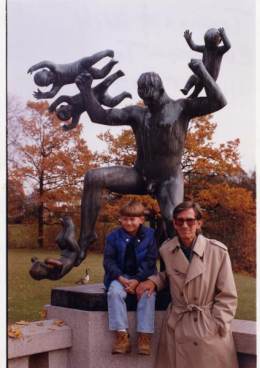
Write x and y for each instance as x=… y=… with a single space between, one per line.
x=41 y=215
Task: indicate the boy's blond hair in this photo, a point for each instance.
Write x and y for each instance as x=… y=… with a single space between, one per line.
x=132 y=209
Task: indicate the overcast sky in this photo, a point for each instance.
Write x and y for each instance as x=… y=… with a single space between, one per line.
x=146 y=36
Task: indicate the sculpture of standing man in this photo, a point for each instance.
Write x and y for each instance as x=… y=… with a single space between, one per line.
x=160 y=129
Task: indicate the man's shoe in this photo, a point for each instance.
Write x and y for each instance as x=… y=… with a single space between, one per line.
x=122 y=343
x=144 y=343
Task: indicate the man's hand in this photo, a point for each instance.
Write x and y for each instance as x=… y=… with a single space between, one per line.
x=187 y=35
x=84 y=80
x=146 y=286
x=132 y=285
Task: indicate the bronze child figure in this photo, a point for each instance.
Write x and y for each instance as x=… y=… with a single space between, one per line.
x=75 y=105
x=55 y=269
x=212 y=56
x=61 y=74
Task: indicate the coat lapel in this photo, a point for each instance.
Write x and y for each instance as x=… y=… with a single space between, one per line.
x=178 y=261
x=196 y=267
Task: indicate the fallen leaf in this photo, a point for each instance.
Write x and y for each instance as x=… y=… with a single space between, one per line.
x=39 y=323
x=23 y=323
x=43 y=313
x=14 y=332
x=58 y=322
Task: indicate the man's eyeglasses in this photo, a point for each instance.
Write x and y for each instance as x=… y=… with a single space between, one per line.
x=189 y=221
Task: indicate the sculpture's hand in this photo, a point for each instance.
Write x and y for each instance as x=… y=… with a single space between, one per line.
x=84 y=80
x=187 y=35
x=196 y=66
x=38 y=94
x=110 y=53
x=221 y=31
x=30 y=70
x=128 y=95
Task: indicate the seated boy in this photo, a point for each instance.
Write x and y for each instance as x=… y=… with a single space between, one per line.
x=129 y=258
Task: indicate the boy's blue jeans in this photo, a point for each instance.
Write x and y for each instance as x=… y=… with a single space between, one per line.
x=117 y=311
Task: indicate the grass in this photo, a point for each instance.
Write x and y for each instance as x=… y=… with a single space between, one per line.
x=26 y=297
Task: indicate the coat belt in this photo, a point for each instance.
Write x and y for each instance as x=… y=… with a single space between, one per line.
x=184 y=308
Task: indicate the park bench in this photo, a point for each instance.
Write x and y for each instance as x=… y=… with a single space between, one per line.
x=41 y=344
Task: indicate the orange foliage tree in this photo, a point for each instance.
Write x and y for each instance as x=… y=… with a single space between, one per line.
x=52 y=163
x=16 y=198
x=213 y=177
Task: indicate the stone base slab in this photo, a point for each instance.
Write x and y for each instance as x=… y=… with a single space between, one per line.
x=92 y=341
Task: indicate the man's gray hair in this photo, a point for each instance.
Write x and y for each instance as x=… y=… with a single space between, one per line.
x=186 y=205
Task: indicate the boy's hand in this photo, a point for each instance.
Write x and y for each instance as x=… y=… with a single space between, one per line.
x=132 y=285
x=123 y=281
x=144 y=286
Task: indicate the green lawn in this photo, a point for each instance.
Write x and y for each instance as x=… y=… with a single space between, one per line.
x=26 y=297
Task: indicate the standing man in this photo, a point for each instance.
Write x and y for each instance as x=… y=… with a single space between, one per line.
x=196 y=329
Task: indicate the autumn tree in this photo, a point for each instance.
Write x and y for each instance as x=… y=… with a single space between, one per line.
x=205 y=162
x=16 y=198
x=231 y=218
x=15 y=112
x=52 y=163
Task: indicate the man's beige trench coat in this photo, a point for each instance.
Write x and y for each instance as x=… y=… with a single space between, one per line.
x=196 y=329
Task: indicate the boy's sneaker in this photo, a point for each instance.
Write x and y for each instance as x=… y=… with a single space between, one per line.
x=122 y=343
x=144 y=343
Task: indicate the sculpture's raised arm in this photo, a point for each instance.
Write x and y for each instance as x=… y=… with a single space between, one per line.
x=214 y=100
x=189 y=40
x=226 y=43
x=50 y=94
x=125 y=116
x=58 y=101
x=91 y=60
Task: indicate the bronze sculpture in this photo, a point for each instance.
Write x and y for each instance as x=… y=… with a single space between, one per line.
x=75 y=105
x=212 y=56
x=160 y=128
x=55 y=269
x=61 y=74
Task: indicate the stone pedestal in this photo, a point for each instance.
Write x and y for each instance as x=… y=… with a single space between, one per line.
x=84 y=309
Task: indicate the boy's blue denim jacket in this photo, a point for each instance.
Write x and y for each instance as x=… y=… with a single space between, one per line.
x=114 y=254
